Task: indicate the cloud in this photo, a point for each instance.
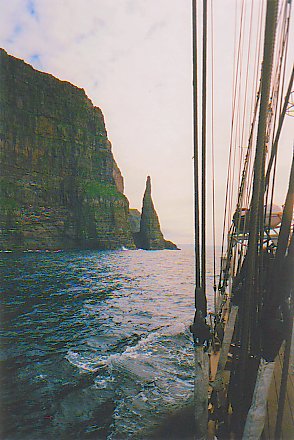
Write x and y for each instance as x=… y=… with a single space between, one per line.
x=35 y=60
x=155 y=28
x=17 y=30
x=132 y=6
x=31 y=7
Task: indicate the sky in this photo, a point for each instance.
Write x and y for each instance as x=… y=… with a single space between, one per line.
x=134 y=60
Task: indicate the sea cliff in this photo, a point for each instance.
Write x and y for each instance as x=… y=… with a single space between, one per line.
x=60 y=187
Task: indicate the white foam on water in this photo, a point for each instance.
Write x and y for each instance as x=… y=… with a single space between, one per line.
x=154 y=377
x=85 y=363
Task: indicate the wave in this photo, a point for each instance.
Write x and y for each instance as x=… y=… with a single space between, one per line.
x=148 y=379
x=102 y=342
x=154 y=379
x=84 y=363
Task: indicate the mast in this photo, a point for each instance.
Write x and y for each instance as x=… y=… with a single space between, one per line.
x=196 y=165
x=200 y=265
x=200 y=329
x=203 y=198
x=249 y=312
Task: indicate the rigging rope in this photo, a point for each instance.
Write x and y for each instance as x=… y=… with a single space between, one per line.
x=272 y=112
x=277 y=136
x=212 y=159
x=239 y=141
x=231 y=136
x=246 y=87
x=277 y=102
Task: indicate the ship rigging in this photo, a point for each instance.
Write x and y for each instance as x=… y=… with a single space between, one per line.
x=251 y=327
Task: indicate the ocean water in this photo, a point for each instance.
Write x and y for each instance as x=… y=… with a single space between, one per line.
x=95 y=344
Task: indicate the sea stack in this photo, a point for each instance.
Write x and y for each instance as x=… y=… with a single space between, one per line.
x=150 y=236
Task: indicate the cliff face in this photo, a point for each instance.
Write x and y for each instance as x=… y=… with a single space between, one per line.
x=60 y=187
x=135 y=219
x=150 y=236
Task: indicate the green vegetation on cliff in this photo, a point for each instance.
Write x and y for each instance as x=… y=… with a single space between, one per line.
x=94 y=189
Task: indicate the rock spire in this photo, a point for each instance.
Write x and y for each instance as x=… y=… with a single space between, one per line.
x=150 y=236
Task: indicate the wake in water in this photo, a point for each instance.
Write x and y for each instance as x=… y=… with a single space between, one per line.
x=147 y=381
x=96 y=344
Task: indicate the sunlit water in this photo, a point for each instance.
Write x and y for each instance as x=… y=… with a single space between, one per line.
x=95 y=344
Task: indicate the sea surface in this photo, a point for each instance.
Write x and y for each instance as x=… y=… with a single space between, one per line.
x=95 y=344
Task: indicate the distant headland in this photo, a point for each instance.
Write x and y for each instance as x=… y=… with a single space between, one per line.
x=60 y=187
